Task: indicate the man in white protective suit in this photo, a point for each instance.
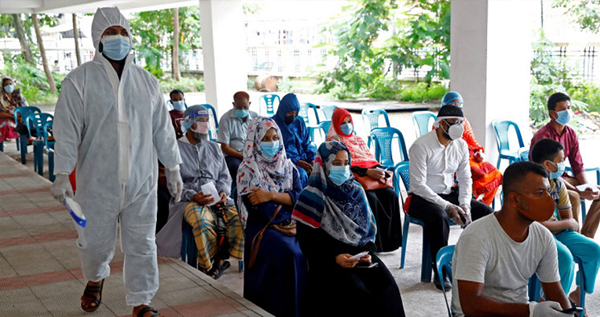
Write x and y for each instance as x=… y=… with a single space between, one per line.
x=112 y=124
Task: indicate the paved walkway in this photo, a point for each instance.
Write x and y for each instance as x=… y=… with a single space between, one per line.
x=40 y=273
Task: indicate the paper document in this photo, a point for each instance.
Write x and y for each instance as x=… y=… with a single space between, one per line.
x=360 y=255
x=583 y=187
x=210 y=189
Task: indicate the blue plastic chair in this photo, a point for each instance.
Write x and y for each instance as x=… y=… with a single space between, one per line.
x=501 y=129
x=22 y=143
x=305 y=114
x=383 y=138
x=38 y=120
x=401 y=172
x=189 y=252
x=327 y=111
x=423 y=122
x=370 y=118
x=443 y=261
x=50 y=148
x=269 y=101
x=324 y=126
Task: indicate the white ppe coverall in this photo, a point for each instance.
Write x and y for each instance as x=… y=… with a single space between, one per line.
x=114 y=131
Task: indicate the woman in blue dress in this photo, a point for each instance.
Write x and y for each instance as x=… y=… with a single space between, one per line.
x=268 y=183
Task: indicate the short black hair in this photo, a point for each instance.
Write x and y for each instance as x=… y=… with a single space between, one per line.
x=556 y=98
x=5 y=79
x=176 y=91
x=545 y=149
x=515 y=173
x=240 y=95
x=450 y=111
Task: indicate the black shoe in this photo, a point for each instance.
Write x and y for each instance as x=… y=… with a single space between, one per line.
x=447 y=283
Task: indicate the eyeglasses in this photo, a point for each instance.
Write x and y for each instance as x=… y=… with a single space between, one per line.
x=455 y=103
x=456 y=121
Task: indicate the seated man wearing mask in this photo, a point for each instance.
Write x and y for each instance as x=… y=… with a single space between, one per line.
x=435 y=158
x=178 y=102
x=203 y=166
x=495 y=256
x=233 y=128
x=295 y=136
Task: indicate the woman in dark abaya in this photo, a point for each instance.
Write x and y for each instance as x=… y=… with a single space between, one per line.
x=384 y=201
x=335 y=224
x=268 y=182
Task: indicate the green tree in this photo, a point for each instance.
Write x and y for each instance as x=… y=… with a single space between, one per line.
x=153 y=35
x=585 y=12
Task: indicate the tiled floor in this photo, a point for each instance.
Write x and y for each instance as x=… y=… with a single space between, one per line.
x=40 y=273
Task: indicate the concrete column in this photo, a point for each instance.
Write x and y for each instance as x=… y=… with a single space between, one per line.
x=490 y=64
x=224 y=50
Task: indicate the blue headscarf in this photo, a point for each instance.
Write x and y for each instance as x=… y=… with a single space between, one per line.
x=342 y=211
x=295 y=135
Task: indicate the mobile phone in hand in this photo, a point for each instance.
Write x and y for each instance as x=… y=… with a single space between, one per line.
x=365 y=265
x=572 y=310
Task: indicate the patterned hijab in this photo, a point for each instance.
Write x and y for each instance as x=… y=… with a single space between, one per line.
x=259 y=171
x=359 y=151
x=342 y=211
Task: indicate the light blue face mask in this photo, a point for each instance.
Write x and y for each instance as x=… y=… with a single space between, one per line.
x=347 y=128
x=560 y=169
x=178 y=105
x=270 y=149
x=564 y=116
x=9 y=88
x=339 y=174
x=116 y=47
x=242 y=113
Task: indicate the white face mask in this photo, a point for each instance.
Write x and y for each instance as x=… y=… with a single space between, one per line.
x=455 y=131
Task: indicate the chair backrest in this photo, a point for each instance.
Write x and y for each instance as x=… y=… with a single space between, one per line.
x=325 y=125
x=328 y=111
x=315 y=111
x=37 y=120
x=371 y=118
x=47 y=128
x=443 y=262
x=501 y=129
x=423 y=122
x=305 y=112
x=24 y=111
x=384 y=138
x=269 y=101
x=401 y=173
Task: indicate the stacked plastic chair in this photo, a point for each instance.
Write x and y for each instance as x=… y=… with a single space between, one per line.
x=22 y=143
x=269 y=102
x=37 y=121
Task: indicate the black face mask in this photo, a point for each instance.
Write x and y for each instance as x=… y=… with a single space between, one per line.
x=289 y=119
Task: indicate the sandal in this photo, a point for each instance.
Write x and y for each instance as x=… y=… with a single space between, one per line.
x=149 y=309
x=219 y=269
x=89 y=293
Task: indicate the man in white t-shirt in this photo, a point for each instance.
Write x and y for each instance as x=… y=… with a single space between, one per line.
x=496 y=256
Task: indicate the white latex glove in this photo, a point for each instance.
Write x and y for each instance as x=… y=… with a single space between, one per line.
x=174 y=182
x=454 y=213
x=61 y=187
x=546 y=309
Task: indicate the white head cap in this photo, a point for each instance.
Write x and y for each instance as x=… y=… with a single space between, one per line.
x=105 y=18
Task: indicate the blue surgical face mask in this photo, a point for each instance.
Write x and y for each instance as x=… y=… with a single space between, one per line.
x=560 y=169
x=9 y=88
x=270 y=149
x=115 y=47
x=178 y=105
x=339 y=174
x=242 y=113
x=347 y=128
x=564 y=116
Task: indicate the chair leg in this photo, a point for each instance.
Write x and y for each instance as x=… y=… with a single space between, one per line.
x=2 y=146
x=404 y=241
x=51 y=166
x=23 y=141
x=241 y=265
x=583 y=210
x=581 y=278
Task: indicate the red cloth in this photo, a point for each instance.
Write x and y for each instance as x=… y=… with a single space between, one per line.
x=176 y=118
x=359 y=151
x=568 y=138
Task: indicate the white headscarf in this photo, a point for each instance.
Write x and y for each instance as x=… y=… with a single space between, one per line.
x=105 y=18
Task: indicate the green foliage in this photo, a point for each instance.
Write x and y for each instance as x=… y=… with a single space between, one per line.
x=368 y=66
x=421 y=92
x=31 y=80
x=587 y=93
x=153 y=35
x=586 y=13
x=186 y=84
x=285 y=85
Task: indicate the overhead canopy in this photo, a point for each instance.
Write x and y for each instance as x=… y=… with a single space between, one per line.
x=87 y=6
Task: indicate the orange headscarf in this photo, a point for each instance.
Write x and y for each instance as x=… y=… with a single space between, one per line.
x=359 y=152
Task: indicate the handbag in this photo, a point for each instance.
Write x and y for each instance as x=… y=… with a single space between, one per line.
x=289 y=230
x=369 y=183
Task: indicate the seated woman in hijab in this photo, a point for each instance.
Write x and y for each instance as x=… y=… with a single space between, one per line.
x=383 y=201
x=268 y=186
x=211 y=216
x=336 y=229
x=295 y=136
